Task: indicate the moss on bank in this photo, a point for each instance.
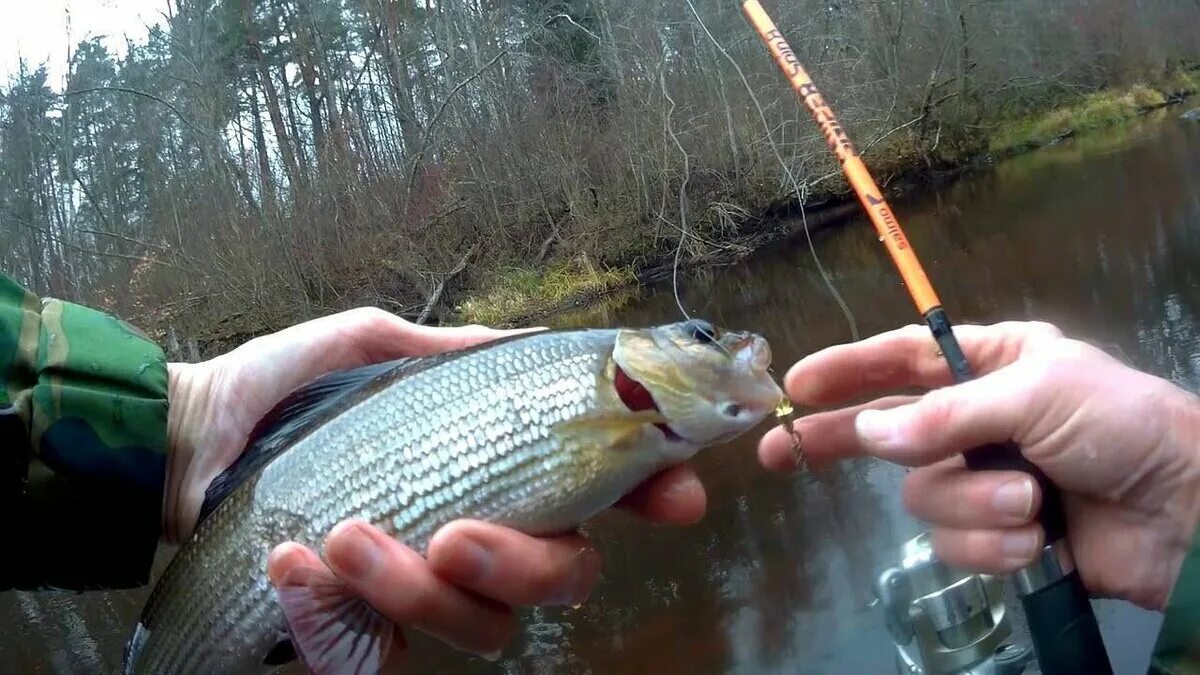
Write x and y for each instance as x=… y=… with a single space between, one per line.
x=517 y=292
x=1095 y=111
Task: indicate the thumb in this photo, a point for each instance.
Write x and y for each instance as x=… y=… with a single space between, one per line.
x=948 y=421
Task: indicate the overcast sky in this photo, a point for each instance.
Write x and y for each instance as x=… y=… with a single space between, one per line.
x=37 y=29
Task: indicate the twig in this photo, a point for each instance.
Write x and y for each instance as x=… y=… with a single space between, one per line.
x=441 y=285
x=575 y=23
x=350 y=93
x=161 y=308
x=152 y=97
x=50 y=236
x=412 y=176
x=131 y=240
x=124 y=256
x=876 y=141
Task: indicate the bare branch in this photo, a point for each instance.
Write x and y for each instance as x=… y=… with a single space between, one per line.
x=420 y=156
x=126 y=90
x=436 y=296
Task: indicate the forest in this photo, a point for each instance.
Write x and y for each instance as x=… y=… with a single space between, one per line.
x=254 y=163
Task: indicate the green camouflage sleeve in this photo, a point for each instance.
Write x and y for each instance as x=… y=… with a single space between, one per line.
x=1177 y=651
x=83 y=425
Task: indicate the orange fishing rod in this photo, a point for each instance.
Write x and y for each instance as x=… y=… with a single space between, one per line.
x=1062 y=625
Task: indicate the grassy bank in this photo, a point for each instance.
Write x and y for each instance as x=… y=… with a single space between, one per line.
x=1094 y=112
x=518 y=292
x=517 y=295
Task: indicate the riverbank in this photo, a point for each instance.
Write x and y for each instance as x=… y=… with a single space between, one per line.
x=520 y=295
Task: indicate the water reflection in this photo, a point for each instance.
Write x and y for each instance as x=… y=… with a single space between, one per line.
x=1101 y=237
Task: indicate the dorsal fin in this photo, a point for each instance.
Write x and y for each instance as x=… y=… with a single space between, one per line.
x=311 y=405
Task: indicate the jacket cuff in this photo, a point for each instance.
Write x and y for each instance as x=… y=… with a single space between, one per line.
x=1178 y=647
x=98 y=407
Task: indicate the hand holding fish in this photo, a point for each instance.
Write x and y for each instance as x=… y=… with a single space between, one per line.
x=1123 y=446
x=473 y=573
x=215 y=404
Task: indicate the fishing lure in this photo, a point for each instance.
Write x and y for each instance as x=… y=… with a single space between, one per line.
x=785 y=412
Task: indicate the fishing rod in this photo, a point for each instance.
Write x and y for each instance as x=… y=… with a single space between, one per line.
x=1063 y=628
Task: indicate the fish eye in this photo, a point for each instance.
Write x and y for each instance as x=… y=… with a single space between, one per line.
x=701 y=331
x=731 y=410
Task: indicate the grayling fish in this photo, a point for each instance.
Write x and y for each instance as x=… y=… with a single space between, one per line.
x=537 y=432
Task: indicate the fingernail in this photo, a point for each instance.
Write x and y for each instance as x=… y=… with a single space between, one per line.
x=352 y=551
x=278 y=553
x=492 y=656
x=276 y=558
x=682 y=488
x=879 y=427
x=569 y=594
x=1014 y=498
x=1019 y=546
x=469 y=561
x=578 y=584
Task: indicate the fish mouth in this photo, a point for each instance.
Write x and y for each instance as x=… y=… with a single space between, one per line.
x=754 y=351
x=764 y=394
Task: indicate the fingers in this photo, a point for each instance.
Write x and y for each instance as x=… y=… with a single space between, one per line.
x=673 y=496
x=514 y=568
x=824 y=436
x=289 y=557
x=290 y=560
x=354 y=338
x=380 y=336
x=949 y=495
x=400 y=585
x=906 y=357
x=992 y=409
x=475 y=570
x=988 y=551
x=982 y=520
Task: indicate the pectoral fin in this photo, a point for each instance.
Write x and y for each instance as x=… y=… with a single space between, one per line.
x=333 y=631
x=608 y=430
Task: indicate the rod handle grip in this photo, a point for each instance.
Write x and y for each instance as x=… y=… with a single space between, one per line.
x=1064 y=631
x=997 y=456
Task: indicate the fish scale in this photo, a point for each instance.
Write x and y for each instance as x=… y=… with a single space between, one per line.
x=485 y=433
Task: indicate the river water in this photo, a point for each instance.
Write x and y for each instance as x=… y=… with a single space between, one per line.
x=1100 y=235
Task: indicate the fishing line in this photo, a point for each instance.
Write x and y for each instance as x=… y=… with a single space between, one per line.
x=683 y=227
x=683 y=231
x=785 y=411
x=791 y=177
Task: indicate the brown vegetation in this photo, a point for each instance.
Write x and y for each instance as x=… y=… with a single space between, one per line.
x=260 y=162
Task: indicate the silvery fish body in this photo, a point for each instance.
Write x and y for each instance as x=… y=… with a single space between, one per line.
x=533 y=432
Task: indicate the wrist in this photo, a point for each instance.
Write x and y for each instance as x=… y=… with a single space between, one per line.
x=187 y=403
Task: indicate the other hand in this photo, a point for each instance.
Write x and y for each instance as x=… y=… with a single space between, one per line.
x=1123 y=447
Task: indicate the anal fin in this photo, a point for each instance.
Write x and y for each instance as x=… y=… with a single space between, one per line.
x=333 y=631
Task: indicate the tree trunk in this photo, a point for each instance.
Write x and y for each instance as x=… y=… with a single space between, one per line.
x=268 y=89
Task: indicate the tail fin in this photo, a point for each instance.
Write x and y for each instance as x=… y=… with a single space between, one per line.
x=133 y=649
